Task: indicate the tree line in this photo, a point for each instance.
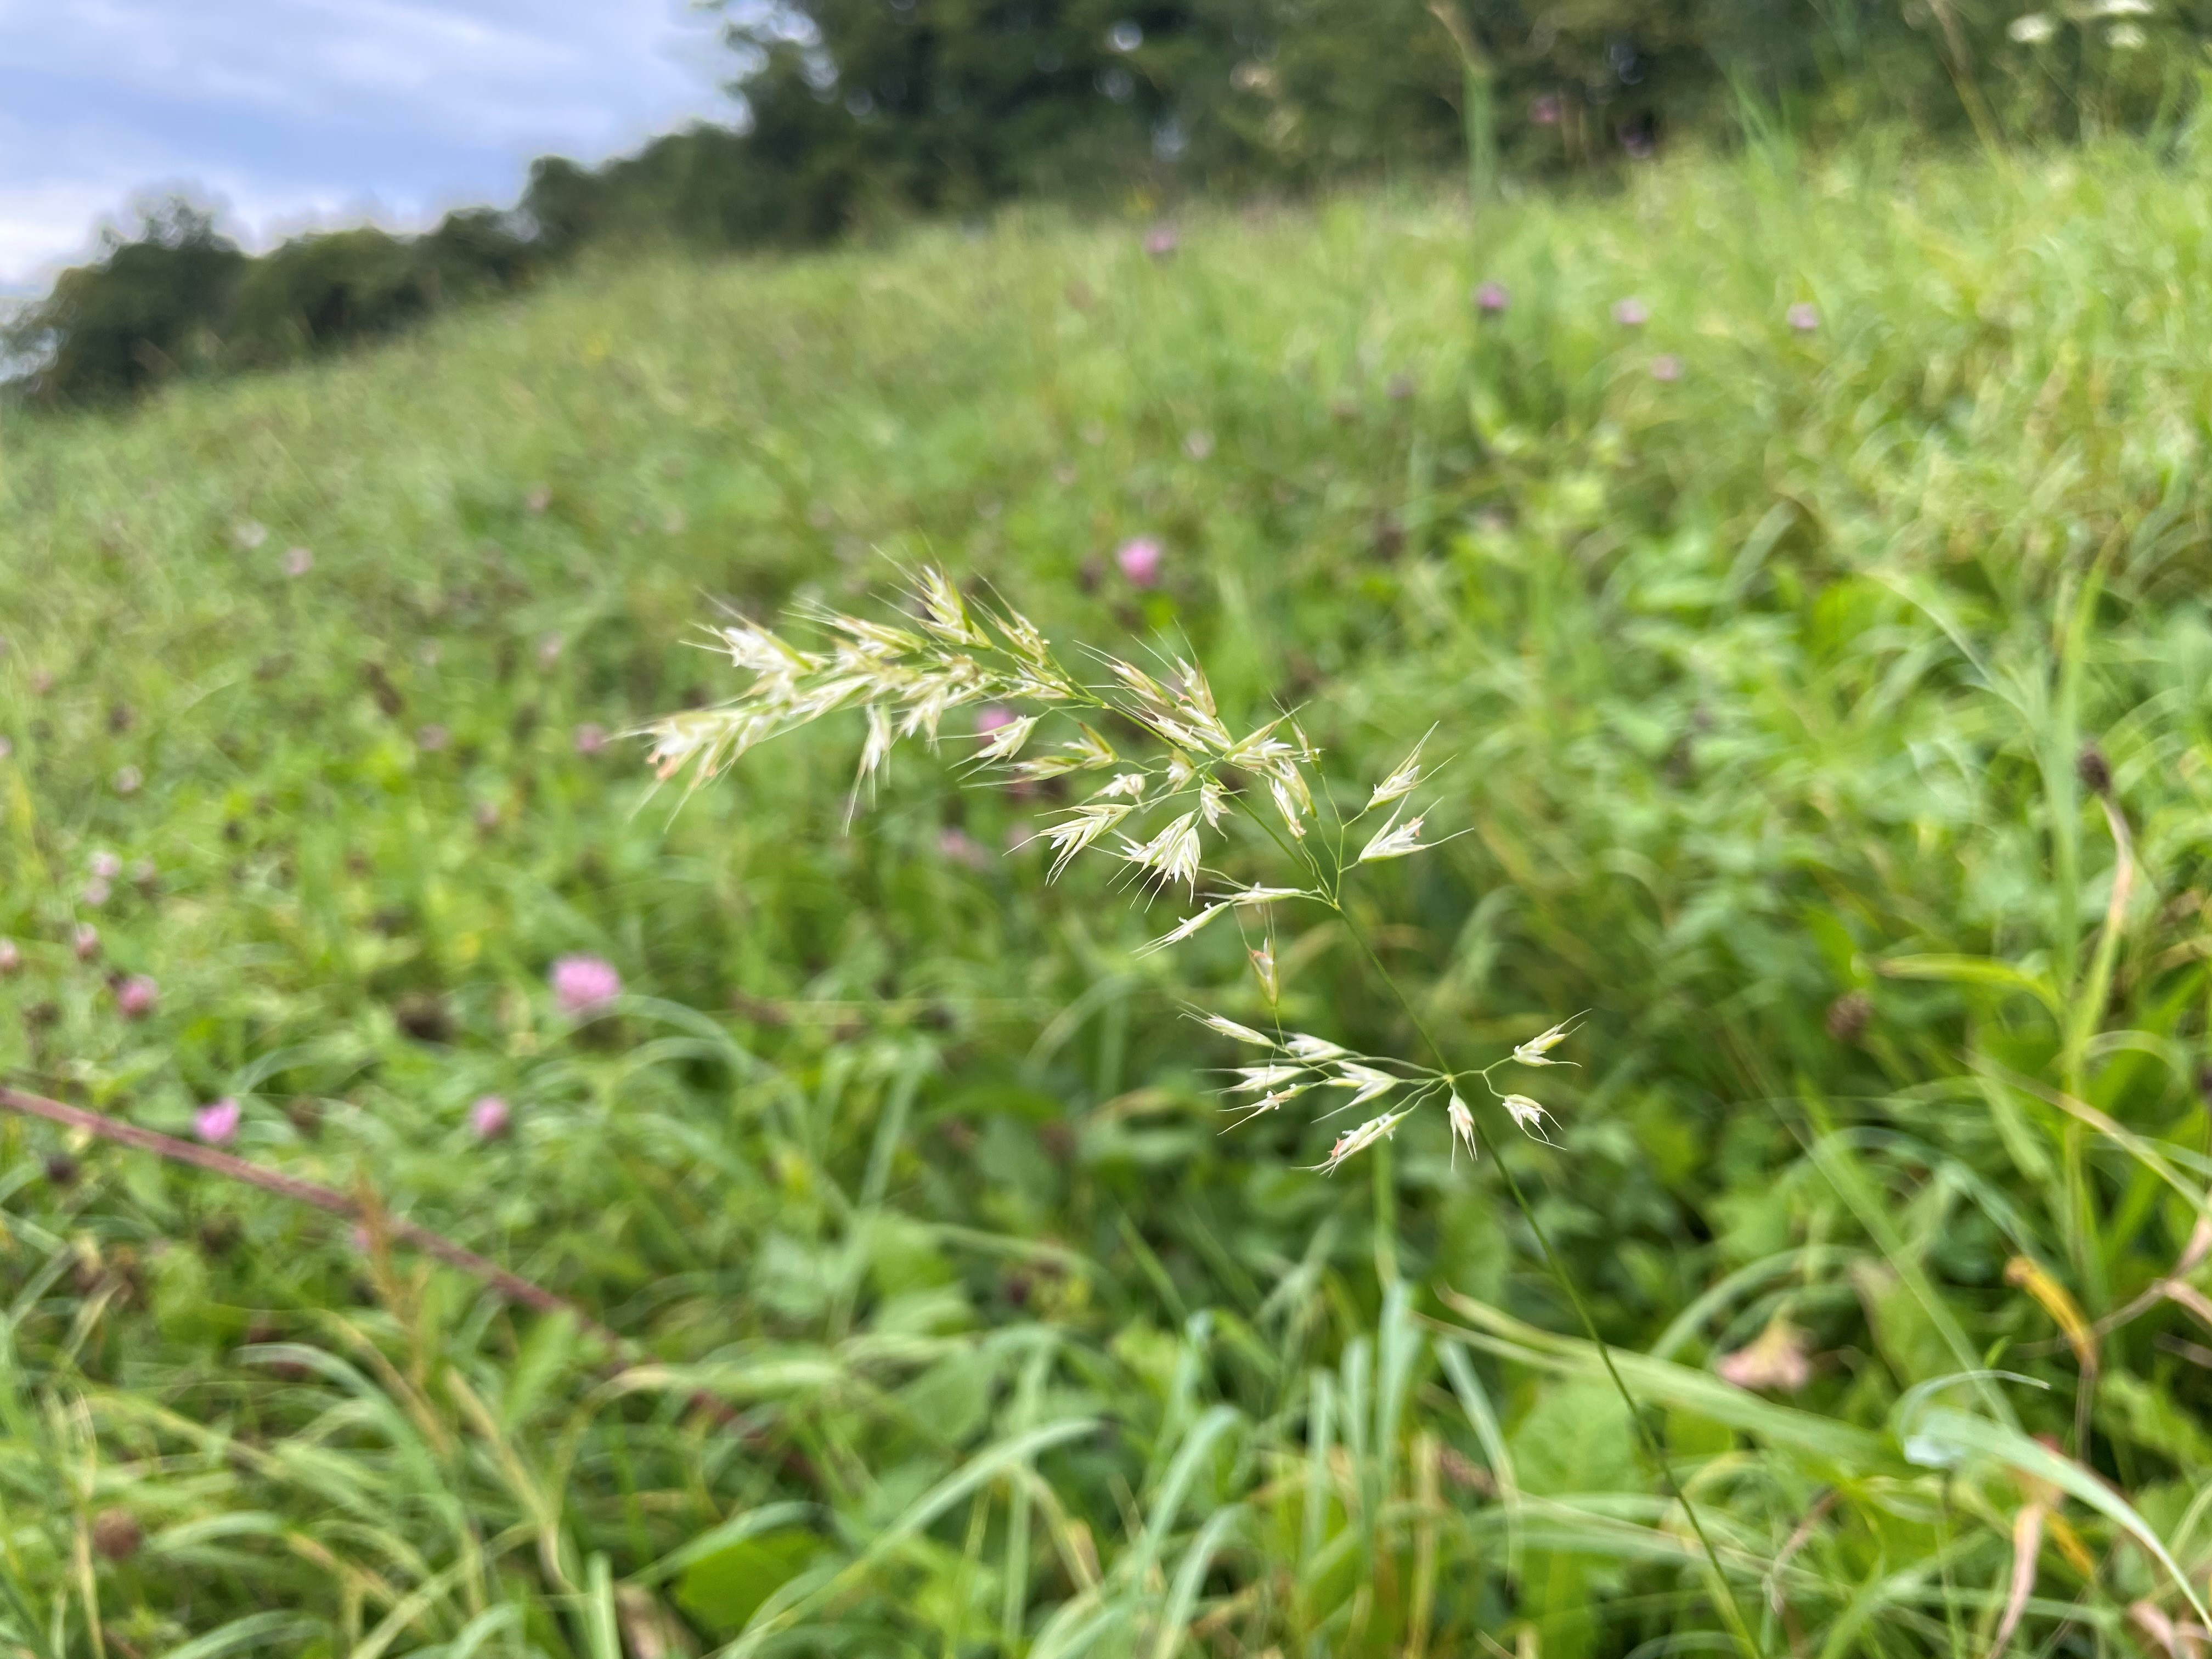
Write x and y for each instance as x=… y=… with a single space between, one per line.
x=855 y=113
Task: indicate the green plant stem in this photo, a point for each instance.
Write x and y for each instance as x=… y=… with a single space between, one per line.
x=1478 y=110
x=1738 y=1626
x=1386 y=1215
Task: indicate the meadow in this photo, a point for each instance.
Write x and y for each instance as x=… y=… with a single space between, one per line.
x=1799 y=567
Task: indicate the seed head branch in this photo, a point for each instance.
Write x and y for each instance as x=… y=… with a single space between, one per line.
x=1157 y=810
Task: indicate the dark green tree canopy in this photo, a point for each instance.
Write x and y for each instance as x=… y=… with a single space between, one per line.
x=855 y=112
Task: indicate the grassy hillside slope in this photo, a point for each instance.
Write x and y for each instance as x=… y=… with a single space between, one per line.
x=1764 y=650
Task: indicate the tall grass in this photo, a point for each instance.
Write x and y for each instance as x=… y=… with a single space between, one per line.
x=1830 y=724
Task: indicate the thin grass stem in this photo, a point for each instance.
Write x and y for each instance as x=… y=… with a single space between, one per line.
x=1739 y=1628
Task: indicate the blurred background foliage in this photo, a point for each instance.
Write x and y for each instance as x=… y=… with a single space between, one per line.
x=1783 y=693
x=860 y=115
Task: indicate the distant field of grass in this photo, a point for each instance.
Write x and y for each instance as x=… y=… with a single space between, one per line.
x=1823 y=668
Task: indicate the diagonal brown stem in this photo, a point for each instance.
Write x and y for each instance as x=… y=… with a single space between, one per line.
x=622 y=1352
x=511 y=1286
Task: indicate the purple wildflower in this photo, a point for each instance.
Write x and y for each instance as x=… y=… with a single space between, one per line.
x=489 y=1118
x=1139 y=558
x=1491 y=298
x=1804 y=318
x=582 y=985
x=956 y=846
x=136 y=996
x=1631 y=312
x=217 y=1123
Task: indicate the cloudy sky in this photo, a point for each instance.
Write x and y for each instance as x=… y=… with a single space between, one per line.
x=289 y=112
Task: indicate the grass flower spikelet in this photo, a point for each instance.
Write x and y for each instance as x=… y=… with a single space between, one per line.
x=1353 y=1142
x=1365 y=1081
x=1462 y=1125
x=1393 y=841
x=1401 y=782
x=1229 y=1027
x=1526 y=1113
x=1534 y=1051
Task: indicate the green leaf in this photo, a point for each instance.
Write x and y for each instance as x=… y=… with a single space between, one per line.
x=1976 y=970
x=769 y=1517
x=951 y=1399
x=1941 y=1434
x=1663 y=1383
x=726 y=1588
x=1907 y=1337
x=256 y=1630
x=2129 y=1408
x=1577 y=1439
x=543 y=1354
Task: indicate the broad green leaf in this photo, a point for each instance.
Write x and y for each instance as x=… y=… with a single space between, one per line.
x=1660 y=1382
x=725 y=1588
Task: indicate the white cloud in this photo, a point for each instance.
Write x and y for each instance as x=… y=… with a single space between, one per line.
x=295 y=111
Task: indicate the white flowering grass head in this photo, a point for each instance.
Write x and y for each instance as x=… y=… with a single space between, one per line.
x=1157 y=807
